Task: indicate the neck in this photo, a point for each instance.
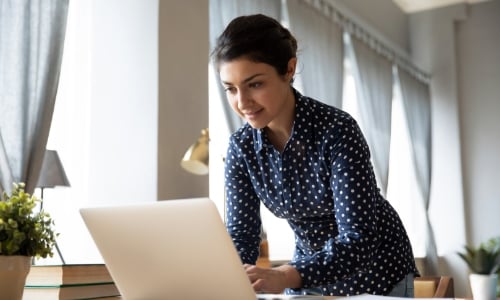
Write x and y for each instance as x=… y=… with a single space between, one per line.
x=279 y=130
x=278 y=139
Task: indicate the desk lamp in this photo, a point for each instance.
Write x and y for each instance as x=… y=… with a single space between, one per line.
x=196 y=158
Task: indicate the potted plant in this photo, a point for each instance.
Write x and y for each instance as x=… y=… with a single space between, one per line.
x=494 y=243
x=484 y=263
x=24 y=234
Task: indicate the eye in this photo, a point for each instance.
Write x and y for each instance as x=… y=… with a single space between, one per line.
x=255 y=84
x=230 y=89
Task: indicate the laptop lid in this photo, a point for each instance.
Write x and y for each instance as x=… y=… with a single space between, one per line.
x=172 y=249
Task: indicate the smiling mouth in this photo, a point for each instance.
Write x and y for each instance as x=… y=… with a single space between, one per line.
x=252 y=115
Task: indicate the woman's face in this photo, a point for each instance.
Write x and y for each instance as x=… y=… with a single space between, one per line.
x=257 y=92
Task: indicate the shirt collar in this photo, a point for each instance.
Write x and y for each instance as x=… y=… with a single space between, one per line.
x=258 y=139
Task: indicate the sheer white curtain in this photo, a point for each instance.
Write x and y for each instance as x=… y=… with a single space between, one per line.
x=416 y=103
x=374 y=80
x=31 y=46
x=320 y=61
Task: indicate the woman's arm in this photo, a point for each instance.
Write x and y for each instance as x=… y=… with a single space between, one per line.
x=243 y=208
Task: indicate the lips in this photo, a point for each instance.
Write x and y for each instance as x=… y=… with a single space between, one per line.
x=252 y=115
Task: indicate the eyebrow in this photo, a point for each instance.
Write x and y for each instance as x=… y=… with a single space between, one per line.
x=246 y=79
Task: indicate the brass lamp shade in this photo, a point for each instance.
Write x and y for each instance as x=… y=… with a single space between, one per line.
x=196 y=158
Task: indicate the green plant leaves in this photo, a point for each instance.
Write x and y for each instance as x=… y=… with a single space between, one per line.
x=23 y=232
x=482 y=260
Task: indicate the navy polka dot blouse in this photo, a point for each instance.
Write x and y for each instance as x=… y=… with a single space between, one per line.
x=348 y=239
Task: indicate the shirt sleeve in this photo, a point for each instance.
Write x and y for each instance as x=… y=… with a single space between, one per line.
x=243 y=207
x=355 y=196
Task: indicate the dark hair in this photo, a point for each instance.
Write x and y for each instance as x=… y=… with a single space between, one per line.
x=258 y=38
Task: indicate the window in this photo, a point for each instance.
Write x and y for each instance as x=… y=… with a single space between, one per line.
x=402 y=189
x=105 y=134
x=69 y=136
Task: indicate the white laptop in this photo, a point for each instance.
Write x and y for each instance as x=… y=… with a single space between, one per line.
x=172 y=249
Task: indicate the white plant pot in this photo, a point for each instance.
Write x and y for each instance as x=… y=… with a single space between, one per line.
x=484 y=287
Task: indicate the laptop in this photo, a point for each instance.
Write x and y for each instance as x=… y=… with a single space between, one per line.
x=172 y=249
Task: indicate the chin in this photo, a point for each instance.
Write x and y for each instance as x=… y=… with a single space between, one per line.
x=256 y=127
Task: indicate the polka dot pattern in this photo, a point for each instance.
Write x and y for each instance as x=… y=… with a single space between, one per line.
x=349 y=240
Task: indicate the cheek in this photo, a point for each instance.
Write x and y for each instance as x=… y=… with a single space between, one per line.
x=265 y=96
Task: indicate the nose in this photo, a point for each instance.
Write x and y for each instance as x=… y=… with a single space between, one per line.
x=244 y=100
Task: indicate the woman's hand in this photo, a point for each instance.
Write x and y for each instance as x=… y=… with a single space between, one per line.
x=275 y=280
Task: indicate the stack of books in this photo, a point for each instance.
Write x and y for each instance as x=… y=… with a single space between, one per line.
x=80 y=281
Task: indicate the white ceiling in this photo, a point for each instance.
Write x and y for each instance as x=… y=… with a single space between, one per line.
x=410 y=6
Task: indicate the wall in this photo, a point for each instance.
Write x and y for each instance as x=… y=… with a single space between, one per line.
x=479 y=99
x=432 y=41
x=182 y=94
x=457 y=45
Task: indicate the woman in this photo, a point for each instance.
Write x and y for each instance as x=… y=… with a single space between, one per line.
x=309 y=163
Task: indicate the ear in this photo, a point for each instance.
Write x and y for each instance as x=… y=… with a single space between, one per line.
x=292 y=63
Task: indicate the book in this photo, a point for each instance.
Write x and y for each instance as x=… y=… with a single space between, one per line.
x=43 y=275
x=70 y=291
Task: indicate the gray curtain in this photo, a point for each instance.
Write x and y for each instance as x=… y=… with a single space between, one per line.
x=374 y=82
x=31 y=47
x=321 y=56
x=221 y=13
x=416 y=103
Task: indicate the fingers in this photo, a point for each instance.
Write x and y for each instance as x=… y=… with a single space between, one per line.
x=252 y=272
x=259 y=286
x=249 y=267
x=267 y=286
x=265 y=280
